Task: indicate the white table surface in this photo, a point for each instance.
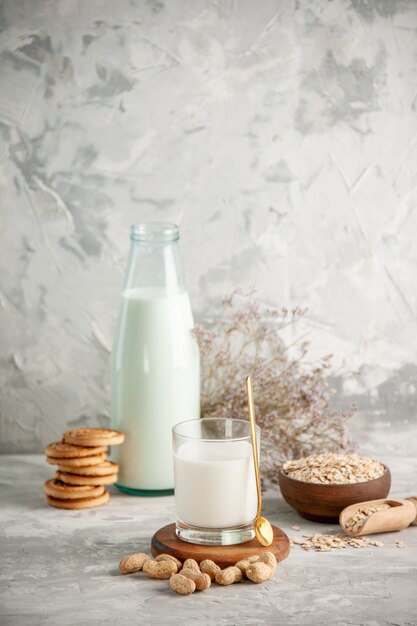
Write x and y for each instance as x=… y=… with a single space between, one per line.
x=59 y=568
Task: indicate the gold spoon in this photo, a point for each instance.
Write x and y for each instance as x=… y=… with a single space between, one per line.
x=263 y=529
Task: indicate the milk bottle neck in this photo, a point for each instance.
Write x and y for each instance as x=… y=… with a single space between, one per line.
x=154 y=262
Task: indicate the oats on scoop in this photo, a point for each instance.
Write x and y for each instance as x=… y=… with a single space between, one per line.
x=355 y=523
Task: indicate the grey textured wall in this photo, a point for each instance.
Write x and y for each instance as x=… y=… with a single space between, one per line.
x=282 y=137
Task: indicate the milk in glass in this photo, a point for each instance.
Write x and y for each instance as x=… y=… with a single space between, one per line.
x=215 y=484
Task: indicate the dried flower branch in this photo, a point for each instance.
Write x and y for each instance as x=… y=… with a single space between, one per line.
x=292 y=397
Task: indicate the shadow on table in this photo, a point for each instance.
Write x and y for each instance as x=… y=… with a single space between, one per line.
x=20 y=495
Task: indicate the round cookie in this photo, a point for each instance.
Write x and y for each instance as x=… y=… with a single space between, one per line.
x=83 y=461
x=74 y=479
x=94 y=437
x=103 y=469
x=75 y=505
x=57 y=489
x=62 y=450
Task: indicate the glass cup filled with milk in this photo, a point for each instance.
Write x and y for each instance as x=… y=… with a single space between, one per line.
x=214 y=477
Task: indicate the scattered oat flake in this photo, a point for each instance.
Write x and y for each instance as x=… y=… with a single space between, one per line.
x=326 y=543
x=295 y=527
x=400 y=544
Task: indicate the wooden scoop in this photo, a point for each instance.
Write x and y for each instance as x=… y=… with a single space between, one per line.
x=401 y=514
x=413 y=499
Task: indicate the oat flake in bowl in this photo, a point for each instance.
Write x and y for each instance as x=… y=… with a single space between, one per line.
x=334 y=469
x=320 y=486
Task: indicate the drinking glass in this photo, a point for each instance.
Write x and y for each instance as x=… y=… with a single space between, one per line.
x=214 y=481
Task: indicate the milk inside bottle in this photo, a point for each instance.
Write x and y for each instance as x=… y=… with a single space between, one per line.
x=155 y=361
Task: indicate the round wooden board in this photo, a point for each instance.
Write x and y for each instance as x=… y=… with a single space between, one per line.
x=165 y=541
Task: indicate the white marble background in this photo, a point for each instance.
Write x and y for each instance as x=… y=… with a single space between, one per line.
x=282 y=137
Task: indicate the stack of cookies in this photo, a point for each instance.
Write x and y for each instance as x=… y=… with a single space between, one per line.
x=83 y=468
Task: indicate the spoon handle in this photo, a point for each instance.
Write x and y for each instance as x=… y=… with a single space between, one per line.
x=254 y=442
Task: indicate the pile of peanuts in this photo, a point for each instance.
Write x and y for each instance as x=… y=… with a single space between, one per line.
x=187 y=577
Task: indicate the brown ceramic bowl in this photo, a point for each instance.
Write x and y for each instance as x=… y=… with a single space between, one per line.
x=324 y=503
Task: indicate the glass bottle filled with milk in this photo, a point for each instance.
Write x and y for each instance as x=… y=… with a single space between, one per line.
x=155 y=361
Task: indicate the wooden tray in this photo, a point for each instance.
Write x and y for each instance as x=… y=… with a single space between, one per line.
x=165 y=541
